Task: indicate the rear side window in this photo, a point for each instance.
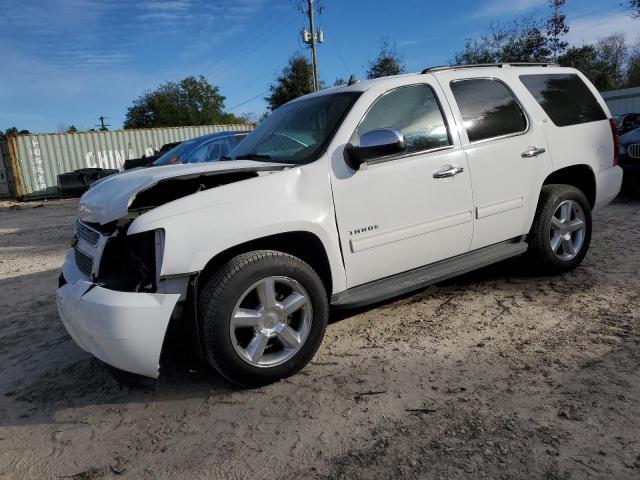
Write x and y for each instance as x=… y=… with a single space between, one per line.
x=565 y=98
x=414 y=110
x=488 y=108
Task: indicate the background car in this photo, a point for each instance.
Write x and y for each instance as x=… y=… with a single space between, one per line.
x=207 y=148
x=627 y=122
x=146 y=161
x=630 y=157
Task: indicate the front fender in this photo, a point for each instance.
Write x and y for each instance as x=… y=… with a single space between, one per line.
x=200 y=226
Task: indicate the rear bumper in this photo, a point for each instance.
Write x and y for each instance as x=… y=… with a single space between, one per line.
x=125 y=330
x=608 y=184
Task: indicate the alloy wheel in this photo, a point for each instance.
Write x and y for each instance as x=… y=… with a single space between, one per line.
x=271 y=321
x=567 y=230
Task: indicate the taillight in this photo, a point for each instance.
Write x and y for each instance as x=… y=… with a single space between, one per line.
x=616 y=142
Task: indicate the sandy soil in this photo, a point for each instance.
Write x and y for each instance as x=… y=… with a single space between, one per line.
x=497 y=374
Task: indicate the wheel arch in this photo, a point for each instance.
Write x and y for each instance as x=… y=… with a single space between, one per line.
x=301 y=244
x=580 y=176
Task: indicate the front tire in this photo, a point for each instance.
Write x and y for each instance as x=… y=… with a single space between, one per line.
x=561 y=231
x=262 y=317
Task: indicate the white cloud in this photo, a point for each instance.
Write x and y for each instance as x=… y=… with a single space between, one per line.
x=170 y=5
x=591 y=29
x=504 y=8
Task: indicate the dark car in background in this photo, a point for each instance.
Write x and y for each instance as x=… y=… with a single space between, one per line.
x=630 y=157
x=146 y=161
x=207 y=148
x=627 y=122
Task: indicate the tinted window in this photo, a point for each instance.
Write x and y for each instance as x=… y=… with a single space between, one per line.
x=488 y=108
x=565 y=98
x=414 y=111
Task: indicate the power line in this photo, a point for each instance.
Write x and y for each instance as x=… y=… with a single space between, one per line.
x=247 y=101
x=254 y=81
x=237 y=55
x=228 y=53
x=344 y=62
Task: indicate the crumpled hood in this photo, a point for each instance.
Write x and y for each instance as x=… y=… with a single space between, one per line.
x=110 y=198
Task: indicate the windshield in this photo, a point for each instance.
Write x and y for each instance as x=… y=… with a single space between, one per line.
x=297 y=132
x=176 y=154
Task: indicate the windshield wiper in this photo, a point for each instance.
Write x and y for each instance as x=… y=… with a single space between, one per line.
x=249 y=156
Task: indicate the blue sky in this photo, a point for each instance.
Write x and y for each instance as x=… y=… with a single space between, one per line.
x=68 y=61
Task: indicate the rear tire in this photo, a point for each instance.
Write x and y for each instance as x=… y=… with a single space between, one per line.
x=262 y=317
x=561 y=231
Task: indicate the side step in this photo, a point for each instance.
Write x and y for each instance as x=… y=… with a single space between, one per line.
x=421 y=277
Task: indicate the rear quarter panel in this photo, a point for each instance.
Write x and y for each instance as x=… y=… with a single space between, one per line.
x=583 y=144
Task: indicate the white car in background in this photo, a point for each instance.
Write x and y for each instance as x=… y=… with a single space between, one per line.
x=341 y=198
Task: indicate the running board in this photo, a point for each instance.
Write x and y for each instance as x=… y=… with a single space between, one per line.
x=421 y=277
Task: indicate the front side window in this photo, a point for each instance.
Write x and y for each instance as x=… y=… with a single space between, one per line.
x=488 y=108
x=413 y=110
x=564 y=97
x=297 y=132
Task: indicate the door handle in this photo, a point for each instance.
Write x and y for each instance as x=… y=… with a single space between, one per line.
x=533 y=152
x=448 y=172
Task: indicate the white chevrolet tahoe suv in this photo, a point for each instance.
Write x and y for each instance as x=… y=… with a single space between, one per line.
x=341 y=198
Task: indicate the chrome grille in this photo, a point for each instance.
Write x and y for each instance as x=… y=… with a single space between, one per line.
x=87 y=234
x=84 y=262
x=634 y=150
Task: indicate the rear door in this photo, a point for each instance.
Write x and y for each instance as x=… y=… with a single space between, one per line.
x=507 y=153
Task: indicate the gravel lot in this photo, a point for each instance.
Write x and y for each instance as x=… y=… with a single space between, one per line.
x=496 y=374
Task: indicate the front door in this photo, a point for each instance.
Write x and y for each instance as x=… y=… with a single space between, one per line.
x=404 y=211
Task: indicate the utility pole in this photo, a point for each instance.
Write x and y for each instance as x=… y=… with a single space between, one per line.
x=314 y=54
x=103 y=126
x=312 y=38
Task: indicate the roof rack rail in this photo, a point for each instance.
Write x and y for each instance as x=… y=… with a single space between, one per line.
x=498 y=65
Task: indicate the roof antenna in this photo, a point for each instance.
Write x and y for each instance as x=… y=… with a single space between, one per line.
x=352 y=80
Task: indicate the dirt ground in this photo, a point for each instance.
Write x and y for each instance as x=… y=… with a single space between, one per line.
x=496 y=374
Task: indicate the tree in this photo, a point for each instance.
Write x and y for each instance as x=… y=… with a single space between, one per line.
x=295 y=80
x=612 y=51
x=634 y=5
x=191 y=101
x=583 y=58
x=387 y=63
x=72 y=129
x=520 y=41
x=633 y=67
x=556 y=28
x=606 y=64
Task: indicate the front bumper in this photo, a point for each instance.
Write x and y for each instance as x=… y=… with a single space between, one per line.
x=125 y=330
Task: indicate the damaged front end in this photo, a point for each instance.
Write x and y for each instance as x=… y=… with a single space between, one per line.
x=113 y=297
x=109 y=301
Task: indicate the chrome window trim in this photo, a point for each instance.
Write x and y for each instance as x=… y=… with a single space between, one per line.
x=515 y=97
x=400 y=156
x=390 y=158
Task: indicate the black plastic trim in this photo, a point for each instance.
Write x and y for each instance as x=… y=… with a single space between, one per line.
x=421 y=277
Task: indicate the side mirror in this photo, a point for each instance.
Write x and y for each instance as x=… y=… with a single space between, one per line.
x=375 y=144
